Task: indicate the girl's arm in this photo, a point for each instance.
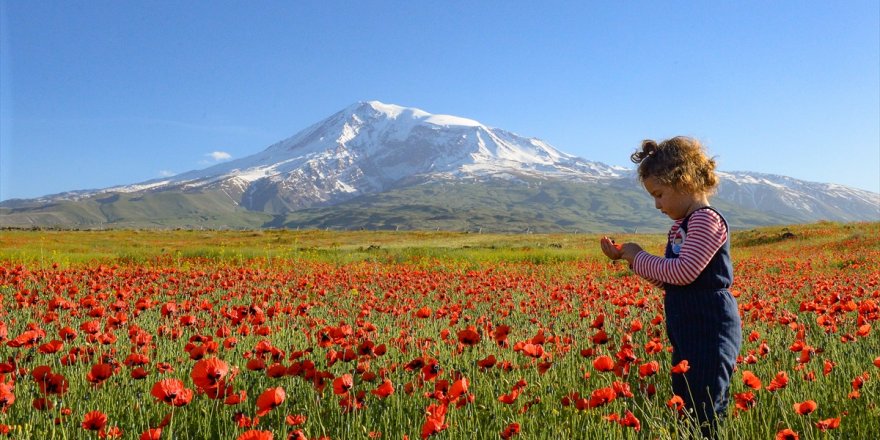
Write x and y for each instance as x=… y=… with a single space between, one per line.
x=706 y=234
x=627 y=252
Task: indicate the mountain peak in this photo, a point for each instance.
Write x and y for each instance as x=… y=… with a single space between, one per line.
x=372 y=110
x=371 y=148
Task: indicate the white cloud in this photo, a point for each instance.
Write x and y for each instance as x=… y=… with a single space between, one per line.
x=166 y=173
x=219 y=156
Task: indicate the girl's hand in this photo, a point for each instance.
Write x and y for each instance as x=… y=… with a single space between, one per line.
x=614 y=251
x=610 y=249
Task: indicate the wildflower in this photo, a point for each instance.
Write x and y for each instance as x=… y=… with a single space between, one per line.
x=510 y=430
x=649 y=369
x=751 y=381
x=385 y=389
x=342 y=384
x=207 y=373
x=94 y=421
x=676 y=403
x=256 y=435
x=435 y=420
x=172 y=392
x=805 y=407
x=787 y=434
x=469 y=336
x=824 y=425
x=487 y=362
x=269 y=400
x=99 y=373
x=603 y=363
x=744 y=401
x=778 y=382
x=630 y=420
x=681 y=367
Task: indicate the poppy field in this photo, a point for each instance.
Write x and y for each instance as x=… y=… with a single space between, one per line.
x=312 y=335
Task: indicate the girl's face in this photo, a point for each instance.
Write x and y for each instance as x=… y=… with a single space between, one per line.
x=670 y=201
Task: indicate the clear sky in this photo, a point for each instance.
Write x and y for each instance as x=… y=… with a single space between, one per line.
x=102 y=93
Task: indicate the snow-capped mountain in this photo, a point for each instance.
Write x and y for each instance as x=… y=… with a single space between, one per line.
x=370 y=149
x=785 y=195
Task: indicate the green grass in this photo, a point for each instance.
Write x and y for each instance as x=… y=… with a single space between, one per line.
x=558 y=283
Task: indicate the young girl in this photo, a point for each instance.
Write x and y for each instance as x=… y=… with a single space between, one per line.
x=702 y=319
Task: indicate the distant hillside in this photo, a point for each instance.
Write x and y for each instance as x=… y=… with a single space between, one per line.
x=381 y=166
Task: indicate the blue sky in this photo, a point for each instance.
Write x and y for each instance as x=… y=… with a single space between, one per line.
x=101 y=93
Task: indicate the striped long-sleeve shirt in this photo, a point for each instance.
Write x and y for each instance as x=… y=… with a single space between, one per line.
x=706 y=233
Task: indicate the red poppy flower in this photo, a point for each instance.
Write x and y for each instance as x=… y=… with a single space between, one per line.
x=138 y=373
x=510 y=398
x=299 y=435
x=500 y=333
x=487 y=362
x=94 y=421
x=151 y=434
x=676 y=403
x=469 y=336
x=235 y=398
x=827 y=366
x=510 y=430
x=67 y=334
x=744 y=401
x=544 y=366
x=342 y=384
x=295 y=420
x=112 y=432
x=255 y=364
x=424 y=312
x=41 y=404
x=778 y=382
x=99 y=373
x=458 y=388
x=635 y=325
x=53 y=346
x=256 y=435
x=207 y=373
x=27 y=339
x=533 y=350
x=681 y=367
x=805 y=407
x=602 y=396
x=600 y=337
x=52 y=383
x=630 y=420
x=172 y=392
x=649 y=369
x=827 y=424
x=621 y=388
x=603 y=363
x=7 y=398
x=751 y=381
x=431 y=370
x=269 y=400
x=787 y=434
x=435 y=420
x=385 y=389
x=877 y=361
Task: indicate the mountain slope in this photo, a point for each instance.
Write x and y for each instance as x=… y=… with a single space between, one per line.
x=375 y=165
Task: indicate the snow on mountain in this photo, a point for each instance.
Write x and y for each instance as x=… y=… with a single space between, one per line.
x=371 y=147
x=786 y=195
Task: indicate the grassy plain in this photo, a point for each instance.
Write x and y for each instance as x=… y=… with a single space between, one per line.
x=808 y=295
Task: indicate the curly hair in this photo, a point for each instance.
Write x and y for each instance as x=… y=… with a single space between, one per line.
x=680 y=162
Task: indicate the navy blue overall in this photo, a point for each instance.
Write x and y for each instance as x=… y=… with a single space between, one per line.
x=703 y=325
